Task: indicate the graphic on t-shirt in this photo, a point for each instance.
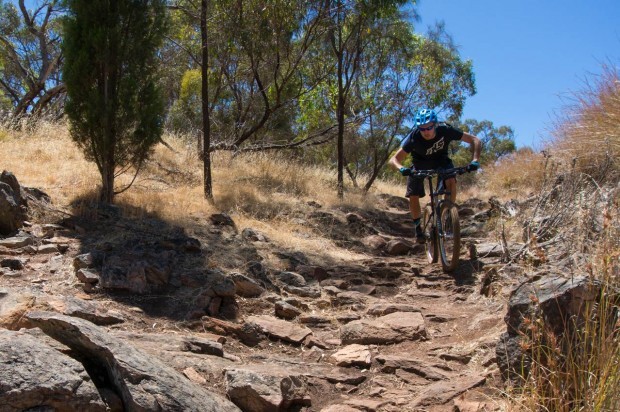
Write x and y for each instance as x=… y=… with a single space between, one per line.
x=436 y=147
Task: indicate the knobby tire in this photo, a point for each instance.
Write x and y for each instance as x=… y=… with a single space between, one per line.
x=449 y=236
x=430 y=234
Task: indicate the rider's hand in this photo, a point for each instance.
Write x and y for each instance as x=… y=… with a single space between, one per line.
x=405 y=171
x=473 y=166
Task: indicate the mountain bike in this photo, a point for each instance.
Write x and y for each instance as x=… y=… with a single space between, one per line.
x=440 y=219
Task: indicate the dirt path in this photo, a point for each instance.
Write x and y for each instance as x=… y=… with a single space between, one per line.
x=385 y=333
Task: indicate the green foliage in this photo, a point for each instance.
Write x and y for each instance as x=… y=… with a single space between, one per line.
x=497 y=142
x=115 y=106
x=30 y=58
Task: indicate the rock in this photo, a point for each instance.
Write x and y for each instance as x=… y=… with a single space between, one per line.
x=337 y=283
x=395 y=202
x=442 y=392
x=132 y=279
x=194 y=376
x=352 y=298
x=397 y=247
x=314 y=319
x=286 y=311
x=253 y=235
x=87 y=276
x=266 y=388
x=291 y=279
x=561 y=303
x=16 y=242
x=12 y=206
x=83 y=309
x=12 y=263
x=393 y=328
x=33 y=375
x=47 y=249
x=245 y=286
x=370 y=405
x=352 y=355
x=374 y=242
x=205 y=344
x=348 y=317
x=13 y=305
x=280 y=329
x=421 y=368
x=365 y=289
x=340 y=408
x=305 y=291
x=143 y=382
x=222 y=219
x=336 y=375
x=86 y=260
x=381 y=309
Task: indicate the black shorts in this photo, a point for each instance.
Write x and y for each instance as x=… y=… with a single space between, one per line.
x=415 y=185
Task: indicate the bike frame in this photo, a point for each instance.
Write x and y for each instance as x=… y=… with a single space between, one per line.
x=436 y=235
x=440 y=189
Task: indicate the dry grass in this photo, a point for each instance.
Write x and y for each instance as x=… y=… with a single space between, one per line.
x=262 y=190
x=517 y=176
x=588 y=134
x=575 y=214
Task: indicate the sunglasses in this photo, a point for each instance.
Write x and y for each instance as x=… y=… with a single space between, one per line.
x=426 y=129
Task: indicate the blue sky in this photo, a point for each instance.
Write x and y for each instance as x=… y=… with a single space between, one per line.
x=527 y=54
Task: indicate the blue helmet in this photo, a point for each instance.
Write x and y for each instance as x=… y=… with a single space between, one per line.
x=425 y=116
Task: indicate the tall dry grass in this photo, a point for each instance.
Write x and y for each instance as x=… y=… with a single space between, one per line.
x=572 y=221
x=588 y=132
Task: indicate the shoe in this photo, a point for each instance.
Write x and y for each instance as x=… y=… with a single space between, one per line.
x=419 y=234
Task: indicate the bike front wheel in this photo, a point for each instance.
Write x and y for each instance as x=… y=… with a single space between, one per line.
x=430 y=234
x=449 y=236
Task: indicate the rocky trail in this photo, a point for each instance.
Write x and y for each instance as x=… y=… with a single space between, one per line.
x=113 y=313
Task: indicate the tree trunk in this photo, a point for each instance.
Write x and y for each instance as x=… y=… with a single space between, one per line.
x=107 y=179
x=206 y=124
x=340 y=109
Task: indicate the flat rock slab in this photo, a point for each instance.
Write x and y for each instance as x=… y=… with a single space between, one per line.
x=280 y=329
x=393 y=328
x=259 y=388
x=142 y=381
x=443 y=391
x=381 y=309
x=90 y=311
x=33 y=374
x=352 y=355
x=420 y=367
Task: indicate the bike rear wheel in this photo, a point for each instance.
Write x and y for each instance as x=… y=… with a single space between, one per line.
x=449 y=236
x=430 y=234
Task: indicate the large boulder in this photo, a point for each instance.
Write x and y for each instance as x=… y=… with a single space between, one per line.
x=12 y=204
x=548 y=305
x=35 y=375
x=142 y=381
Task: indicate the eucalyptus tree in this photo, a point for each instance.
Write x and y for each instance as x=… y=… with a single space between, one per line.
x=400 y=72
x=497 y=142
x=350 y=23
x=114 y=103
x=30 y=56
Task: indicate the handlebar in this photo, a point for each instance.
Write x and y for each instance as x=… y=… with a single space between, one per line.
x=441 y=172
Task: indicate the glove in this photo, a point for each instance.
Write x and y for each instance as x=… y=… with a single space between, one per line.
x=473 y=166
x=405 y=171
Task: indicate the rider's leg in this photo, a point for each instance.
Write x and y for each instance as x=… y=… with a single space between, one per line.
x=414 y=207
x=451 y=187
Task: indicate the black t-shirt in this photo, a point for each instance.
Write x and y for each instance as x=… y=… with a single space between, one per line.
x=434 y=151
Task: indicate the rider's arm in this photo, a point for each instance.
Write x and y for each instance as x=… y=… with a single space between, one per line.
x=475 y=142
x=398 y=158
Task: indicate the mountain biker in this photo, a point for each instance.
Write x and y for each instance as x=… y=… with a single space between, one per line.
x=428 y=145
